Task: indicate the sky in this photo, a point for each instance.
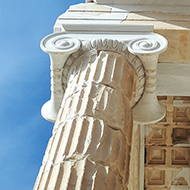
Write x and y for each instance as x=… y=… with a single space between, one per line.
x=25 y=87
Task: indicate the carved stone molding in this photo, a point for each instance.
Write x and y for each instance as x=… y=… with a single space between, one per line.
x=167 y=147
x=141 y=53
x=181 y=179
x=56 y=43
x=147 y=46
x=113 y=46
x=148 y=110
x=59 y=48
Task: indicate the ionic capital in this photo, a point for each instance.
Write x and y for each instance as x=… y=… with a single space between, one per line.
x=142 y=53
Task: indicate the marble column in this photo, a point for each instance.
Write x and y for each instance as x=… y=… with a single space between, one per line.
x=100 y=83
x=91 y=141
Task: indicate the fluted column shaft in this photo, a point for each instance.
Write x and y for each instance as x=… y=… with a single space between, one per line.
x=90 y=146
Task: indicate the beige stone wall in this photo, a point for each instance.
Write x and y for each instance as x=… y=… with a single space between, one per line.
x=174 y=27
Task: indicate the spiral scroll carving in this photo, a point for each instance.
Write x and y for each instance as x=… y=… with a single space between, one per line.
x=114 y=46
x=59 y=43
x=146 y=45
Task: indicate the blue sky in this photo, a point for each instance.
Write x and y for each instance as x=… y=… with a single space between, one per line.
x=25 y=87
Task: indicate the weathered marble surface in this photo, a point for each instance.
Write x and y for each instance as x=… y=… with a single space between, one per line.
x=90 y=146
x=174 y=26
x=167 y=146
x=92 y=140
